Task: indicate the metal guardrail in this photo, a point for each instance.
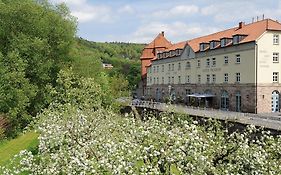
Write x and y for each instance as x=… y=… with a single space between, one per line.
x=199 y=110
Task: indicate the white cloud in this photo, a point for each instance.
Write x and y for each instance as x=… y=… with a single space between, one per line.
x=127 y=9
x=177 y=11
x=86 y=12
x=176 y=31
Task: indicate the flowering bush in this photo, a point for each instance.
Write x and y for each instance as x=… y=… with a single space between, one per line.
x=74 y=141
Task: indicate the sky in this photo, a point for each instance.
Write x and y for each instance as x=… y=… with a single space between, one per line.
x=140 y=21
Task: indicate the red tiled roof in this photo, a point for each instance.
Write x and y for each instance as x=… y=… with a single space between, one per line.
x=179 y=45
x=159 y=42
x=253 y=32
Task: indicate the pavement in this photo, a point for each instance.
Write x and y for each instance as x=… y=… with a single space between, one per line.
x=268 y=120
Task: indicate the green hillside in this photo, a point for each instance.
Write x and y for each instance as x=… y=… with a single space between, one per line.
x=88 y=58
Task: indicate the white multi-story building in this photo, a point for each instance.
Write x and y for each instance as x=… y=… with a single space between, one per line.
x=236 y=69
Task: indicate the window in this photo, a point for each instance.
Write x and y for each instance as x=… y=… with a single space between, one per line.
x=163 y=82
x=179 y=66
x=226 y=77
x=179 y=79
x=154 y=80
x=213 y=44
x=275 y=57
x=173 y=67
x=223 y=42
x=214 y=62
x=187 y=66
x=275 y=77
x=238 y=77
x=198 y=63
x=201 y=47
x=238 y=102
x=214 y=78
x=154 y=69
x=163 y=68
x=208 y=79
x=224 y=101
x=150 y=79
x=238 y=60
x=199 y=78
x=157 y=80
x=169 y=67
x=157 y=69
x=276 y=39
x=172 y=80
x=236 y=39
x=158 y=56
x=208 y=62
x=225 y=59
x=187 y=80
x=169 y=80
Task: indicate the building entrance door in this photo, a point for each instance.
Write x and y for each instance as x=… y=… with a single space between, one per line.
x=224 y=101
x=275 y=101
x=238 y=102
x=158 y=95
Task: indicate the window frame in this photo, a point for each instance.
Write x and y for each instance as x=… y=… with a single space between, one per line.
x=238 y=56
x=214 y=78
x=275 y=77
x=214 y=62
x=226 y=60
x=208 y=79
x=275 y=55
x=238 y=77
x=208 y=62
x=226 y=78
x=275 y=39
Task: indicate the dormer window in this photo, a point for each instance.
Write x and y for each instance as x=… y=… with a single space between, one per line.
x=237 y=38
x=225 y=41
x=167 y=54
x=203 y=46
x=173 y=53
x=214 y=44
x=158 y=56
x=178 y=52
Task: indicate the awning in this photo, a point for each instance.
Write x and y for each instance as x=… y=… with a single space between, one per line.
x=196 y=95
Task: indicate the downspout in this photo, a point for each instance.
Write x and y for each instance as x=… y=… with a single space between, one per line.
x=256 y=77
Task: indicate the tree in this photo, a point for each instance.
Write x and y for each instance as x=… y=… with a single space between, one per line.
x=37 y=37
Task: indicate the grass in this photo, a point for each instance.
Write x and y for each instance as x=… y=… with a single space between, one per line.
x=8 y=149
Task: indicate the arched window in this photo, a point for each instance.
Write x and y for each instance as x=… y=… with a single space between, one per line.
x=275 y=106
x=158 y=94
x=224 y=100
x=238 y=101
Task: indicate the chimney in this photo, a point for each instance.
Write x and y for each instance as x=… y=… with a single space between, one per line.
x=241 y=24
x=163 y=33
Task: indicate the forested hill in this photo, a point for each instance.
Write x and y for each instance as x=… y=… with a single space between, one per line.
x=89 y=56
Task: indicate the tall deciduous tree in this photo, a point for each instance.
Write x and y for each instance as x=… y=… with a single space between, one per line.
x=35 y=40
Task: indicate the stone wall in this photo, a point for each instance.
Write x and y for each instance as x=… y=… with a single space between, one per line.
x=264 y=96
x=247 y=91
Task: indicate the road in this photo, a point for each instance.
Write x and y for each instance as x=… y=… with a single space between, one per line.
x=271 y=121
